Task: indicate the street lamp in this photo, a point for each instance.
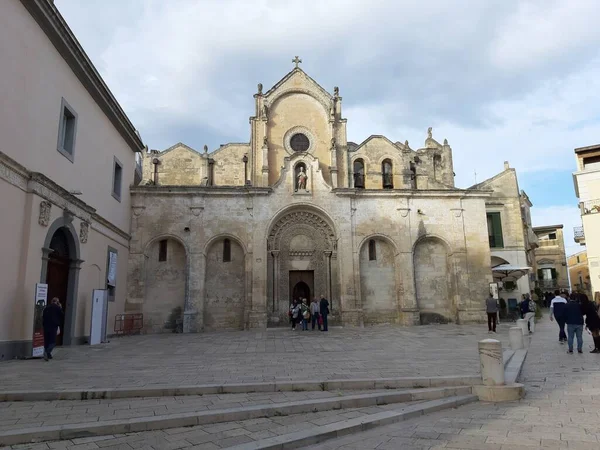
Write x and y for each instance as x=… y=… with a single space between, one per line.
x=245 y=160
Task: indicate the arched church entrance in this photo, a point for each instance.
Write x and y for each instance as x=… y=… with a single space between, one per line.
x=302 y=262
x=60 y=270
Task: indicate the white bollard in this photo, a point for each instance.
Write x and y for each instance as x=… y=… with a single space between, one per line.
x=492 y=362
x=522 y=324
x=515 y=336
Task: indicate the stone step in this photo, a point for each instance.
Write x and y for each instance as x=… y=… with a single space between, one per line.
x=513 y=369
x=320 y=434
x=71 y=431
x=283 y=386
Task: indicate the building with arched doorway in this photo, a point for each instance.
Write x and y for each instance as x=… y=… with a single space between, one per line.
x=236 y=234
x=67 y=158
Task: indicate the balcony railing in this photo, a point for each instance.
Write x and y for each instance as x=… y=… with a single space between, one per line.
x=578 y=234
x=548 y=284
x=590 y=207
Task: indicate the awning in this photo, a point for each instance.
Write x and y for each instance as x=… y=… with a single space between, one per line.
x=509 y=271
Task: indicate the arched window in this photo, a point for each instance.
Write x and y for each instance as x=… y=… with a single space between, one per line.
x=413 y=176
x=162 y=250
x=386 y=174
x=359 y=174
x=372 y=250
x=226 y=250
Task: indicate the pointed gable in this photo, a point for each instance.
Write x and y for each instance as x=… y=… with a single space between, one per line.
x=298 y=81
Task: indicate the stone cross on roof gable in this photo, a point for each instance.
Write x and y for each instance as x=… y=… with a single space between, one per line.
x=296 y=61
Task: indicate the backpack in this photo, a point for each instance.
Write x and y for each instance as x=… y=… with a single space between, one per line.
x=532 y=306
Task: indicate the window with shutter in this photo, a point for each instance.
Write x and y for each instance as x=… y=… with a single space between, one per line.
x=495 y=230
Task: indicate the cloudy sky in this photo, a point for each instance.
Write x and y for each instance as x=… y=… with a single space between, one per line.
x=515 y=80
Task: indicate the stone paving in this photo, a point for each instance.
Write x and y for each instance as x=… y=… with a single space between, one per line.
x=561 y=410
x=251 y=356
x=19 y=415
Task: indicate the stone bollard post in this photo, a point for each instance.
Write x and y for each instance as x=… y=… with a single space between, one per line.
x=515 y=336
x=522 y=323
x=492 y=362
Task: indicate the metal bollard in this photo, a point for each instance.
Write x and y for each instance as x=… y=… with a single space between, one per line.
x=492 y=362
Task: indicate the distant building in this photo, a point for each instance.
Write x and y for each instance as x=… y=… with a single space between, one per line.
x=579 y=273
x=67 y=159
x=550 y=264
x=510 y=234
x=587 y=189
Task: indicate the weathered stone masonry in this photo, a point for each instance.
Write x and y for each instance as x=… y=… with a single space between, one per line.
x=387 y=239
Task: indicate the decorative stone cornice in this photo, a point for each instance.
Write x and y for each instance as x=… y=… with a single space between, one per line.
x=215 y=191
x=52 y=23
x=39 y=184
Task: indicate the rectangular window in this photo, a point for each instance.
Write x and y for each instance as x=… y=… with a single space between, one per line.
x=111 y=273
x=495 y=230
x=162 y=250
x=552 y=236
x=578 y=260
x=67 y=127
x=117 y=179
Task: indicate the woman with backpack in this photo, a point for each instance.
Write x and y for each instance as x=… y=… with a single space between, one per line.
x=294 y=313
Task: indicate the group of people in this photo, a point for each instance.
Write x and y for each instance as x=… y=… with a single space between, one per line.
x=316 y=313
x=570 y=310
x=527 y=308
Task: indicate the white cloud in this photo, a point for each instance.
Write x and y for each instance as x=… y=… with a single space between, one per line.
x=566 y=215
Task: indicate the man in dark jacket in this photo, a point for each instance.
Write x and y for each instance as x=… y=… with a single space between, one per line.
x=51 y=319
x=324 y=311
x=574 y=320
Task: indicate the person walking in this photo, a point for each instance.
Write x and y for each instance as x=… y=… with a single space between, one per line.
x=592 y=320
x=557 y=311
x=294 y=313
x=314 y=313
x=530 y=315
x=491 y=308
x=524 y=308
x=52 y=317
x=305 y=311
x=324 y=311
x=574 y=321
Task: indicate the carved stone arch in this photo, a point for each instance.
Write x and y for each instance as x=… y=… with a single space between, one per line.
x=301 y=243
x=433 y=236
x=296 y=217
x=380 y=236
x=280 y=95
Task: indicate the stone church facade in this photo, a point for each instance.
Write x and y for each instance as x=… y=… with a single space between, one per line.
x=225 y=239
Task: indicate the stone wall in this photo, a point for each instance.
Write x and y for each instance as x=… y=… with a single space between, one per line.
x=378 y=282
x=434 y=289
x=225 y=286
x=165 y=287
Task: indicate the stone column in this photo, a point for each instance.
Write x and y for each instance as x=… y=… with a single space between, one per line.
x=515 y=336
x=522 y=324
x=327 y=259
x=492 y=362
x=71 y=309
x=265 y=165
x=275 y=254
x=193 y=314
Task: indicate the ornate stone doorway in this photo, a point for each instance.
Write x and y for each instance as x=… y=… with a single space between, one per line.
x=302 y=262
x=302 y=284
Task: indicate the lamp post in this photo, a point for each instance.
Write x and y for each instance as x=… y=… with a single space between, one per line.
x=245 y=160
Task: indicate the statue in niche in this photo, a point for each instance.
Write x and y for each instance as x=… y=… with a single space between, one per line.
x=265 y=110
x=332 y=143
x=265 y=141
x=301 y=177
x=336 y=91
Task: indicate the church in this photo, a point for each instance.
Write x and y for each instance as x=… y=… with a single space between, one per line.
x=225 y=239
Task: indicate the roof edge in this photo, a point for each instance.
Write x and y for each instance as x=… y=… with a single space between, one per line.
x=55 y=27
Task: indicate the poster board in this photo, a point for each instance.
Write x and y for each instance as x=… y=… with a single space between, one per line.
x=40 y=301
x=494 y=290
x=112 y=268
x=99 y=316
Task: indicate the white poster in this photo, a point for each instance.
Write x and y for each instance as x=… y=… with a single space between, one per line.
x=99 y=311
x=112 y=268
x=494 y=290
x=41 y=299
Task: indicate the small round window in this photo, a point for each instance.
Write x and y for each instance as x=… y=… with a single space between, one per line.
x=299 y=142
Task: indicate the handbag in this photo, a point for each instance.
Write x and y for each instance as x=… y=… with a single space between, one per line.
x=320 y=320
x=306 y=315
